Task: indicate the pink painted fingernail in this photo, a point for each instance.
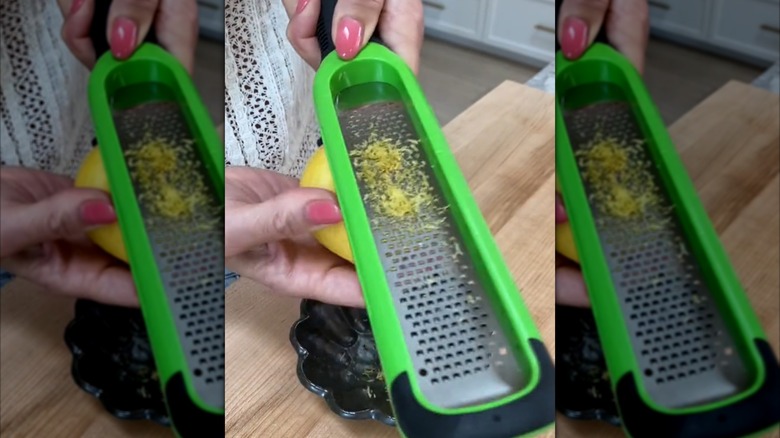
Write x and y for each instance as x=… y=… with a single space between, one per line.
x=575 y=37
x=75 y=6
x=301 y=4
x=98 y=213
x=124 y=35
x=323 y=213
x=349 y=37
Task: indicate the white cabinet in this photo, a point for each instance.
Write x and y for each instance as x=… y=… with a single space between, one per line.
x=747 y=29
x=211 y=18
x=464 y=18
x=523 y=26
x=521 y=29
x=751 y=26
x=686 y=17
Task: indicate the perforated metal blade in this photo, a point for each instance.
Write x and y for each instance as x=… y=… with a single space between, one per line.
x=460 y=353
x=680 y=340
x=188 y=250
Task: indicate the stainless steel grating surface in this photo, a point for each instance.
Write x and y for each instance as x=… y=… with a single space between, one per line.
x=459 y=351
x=683 y=348
x=189 y=252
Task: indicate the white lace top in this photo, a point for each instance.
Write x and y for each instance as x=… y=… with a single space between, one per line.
x=44 y=116
x=269 y=113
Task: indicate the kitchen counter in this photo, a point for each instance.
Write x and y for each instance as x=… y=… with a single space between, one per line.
x=38 y=397
x=545 y=79
x=514 y=187
x=770 y=79
x=730 y=145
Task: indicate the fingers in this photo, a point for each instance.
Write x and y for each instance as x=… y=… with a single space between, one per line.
x=176 y=27
x=315 y=274
x=401 y=28
x=399 y=22
x=292 y=214
x=75 y=31
x=128 y=24
x=82 y=271
x=113 y=285
x=570 y=287
x=579 y=22
x=66 y=215
x=340 y=286
x=302 y=31
x=628 y=29
x=354 y=21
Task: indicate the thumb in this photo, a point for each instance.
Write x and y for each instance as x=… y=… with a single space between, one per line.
x=291 y=214
x=579 y=22
x=65 y=215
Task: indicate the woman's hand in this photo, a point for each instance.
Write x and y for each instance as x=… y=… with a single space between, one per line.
x=626 y=21
x=268 y=225
x=175 y=24
x=399 y=22
x=569 y=284
x=43 y=235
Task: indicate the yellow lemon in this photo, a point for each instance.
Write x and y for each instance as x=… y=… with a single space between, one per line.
x=564 y=241
x=92 y=175
x=317 y=175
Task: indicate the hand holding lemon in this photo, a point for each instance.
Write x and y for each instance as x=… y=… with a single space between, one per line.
x=92 y=174
x=45 y=220
x=285 y=234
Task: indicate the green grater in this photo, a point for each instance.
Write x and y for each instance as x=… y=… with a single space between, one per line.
x=459 y=350
x=685 y=351
x=176 y=262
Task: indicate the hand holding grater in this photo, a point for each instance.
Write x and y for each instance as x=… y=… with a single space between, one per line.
x=163 y=160
x=686 y=354
x=459 y=350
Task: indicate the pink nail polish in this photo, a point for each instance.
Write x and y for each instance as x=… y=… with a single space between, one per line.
x=98 y=213
x=124 y=36
x=301 y=4
x=574 y=38
x=75 y=6
x=323 y=213
x=349 y=37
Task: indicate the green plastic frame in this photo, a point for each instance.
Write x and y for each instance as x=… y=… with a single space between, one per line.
x=602 y=64
x=150 y=64
x=377 y=64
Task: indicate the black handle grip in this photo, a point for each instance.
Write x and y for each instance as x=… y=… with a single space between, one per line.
x=98 y=29
x=325 y=25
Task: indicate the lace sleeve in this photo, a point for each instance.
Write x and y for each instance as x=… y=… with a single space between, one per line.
x=269 y=114
x=44 y=116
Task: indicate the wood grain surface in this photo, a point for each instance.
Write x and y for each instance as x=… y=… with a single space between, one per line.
x=730 y=144
x=38 y=397
x=505 y=146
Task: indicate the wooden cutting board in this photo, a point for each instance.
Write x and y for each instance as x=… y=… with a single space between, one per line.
x=38 y=397
x=505 y=146
x=730 y=144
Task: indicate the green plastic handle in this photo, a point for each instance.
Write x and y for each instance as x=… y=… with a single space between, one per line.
x=603 y=65
x=151 y=65
x=377 y=64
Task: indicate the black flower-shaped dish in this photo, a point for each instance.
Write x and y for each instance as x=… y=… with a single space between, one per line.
x=112 y=360
x=581 y=372
x=337 y=360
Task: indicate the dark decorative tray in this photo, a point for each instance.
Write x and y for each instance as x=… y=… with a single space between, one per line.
x=338 y=361
x=584 y=391
x=112 y=360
